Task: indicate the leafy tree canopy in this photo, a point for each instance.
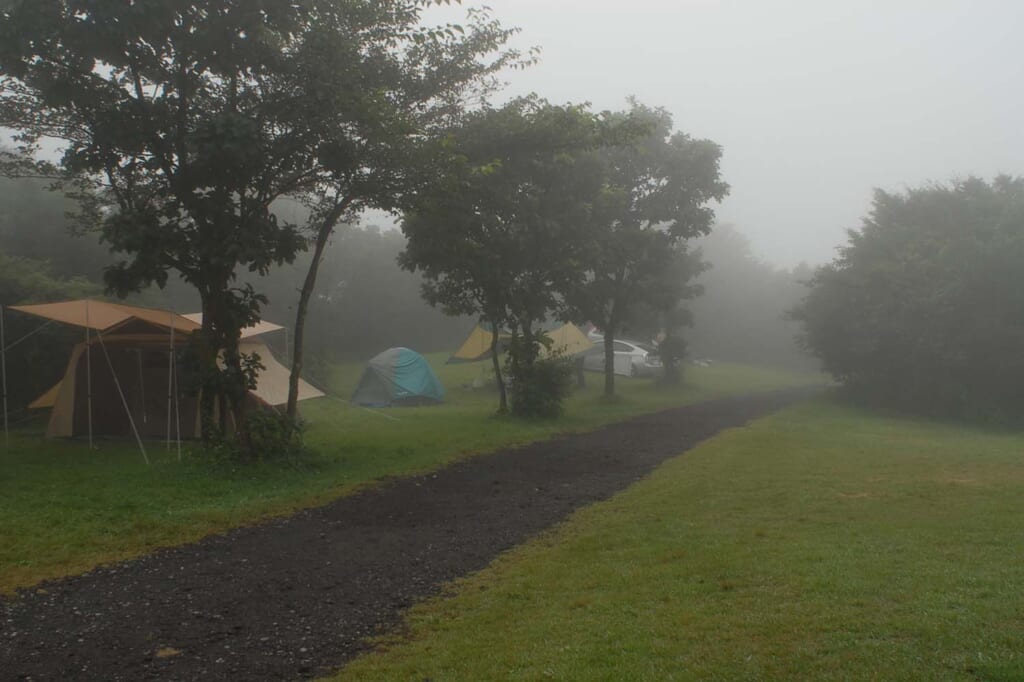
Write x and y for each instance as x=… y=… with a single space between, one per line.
x=924 y=307
x=503 y=231
x=184 y=120
x=658 y=187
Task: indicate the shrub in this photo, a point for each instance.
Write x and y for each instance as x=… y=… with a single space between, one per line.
x=923 y=308
x=269 y=437
x=538 y=390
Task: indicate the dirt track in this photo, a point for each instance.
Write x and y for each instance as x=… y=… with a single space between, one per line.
x=296 y=597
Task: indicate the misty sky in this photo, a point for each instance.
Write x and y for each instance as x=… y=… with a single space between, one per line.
x=814 y=102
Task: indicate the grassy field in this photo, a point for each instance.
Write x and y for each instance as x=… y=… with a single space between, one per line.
x=820 y=543
x=65 y=509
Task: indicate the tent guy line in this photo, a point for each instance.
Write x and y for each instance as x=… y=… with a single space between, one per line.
x=28 y=336
x=124 y=401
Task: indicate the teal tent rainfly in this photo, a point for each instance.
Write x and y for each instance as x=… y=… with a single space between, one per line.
x=398 y=377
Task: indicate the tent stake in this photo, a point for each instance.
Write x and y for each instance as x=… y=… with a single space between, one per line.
x=124 y=401
x=3 y=375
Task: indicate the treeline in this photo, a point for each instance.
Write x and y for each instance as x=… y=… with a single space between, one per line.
x=363 y=303
x=743 y=313
x=180 y=146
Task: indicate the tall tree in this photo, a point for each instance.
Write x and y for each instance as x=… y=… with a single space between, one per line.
x=924 y=307
x=392 y=85
x=657 y=193
x=183 y=116
x=502 y=232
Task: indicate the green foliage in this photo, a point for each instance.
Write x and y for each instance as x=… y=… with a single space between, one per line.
x=672 y=350
x=379 y=89
x=657 y=187
x=538 y=390
x=272 y=436
x=924 y=308
x=182 y=124
x=503 y=232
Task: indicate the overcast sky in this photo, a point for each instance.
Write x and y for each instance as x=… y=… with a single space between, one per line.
x=814 y=102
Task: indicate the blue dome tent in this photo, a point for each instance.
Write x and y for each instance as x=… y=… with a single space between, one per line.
x=398 y=377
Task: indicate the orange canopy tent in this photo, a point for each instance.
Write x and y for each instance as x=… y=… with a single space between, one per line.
x=119 y=389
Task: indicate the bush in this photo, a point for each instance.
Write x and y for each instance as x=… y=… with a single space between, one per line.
x=538 y=390
x=922 y=309
x=672 y=351
x=269 y=437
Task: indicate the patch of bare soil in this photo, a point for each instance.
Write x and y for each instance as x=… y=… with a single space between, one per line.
x=297 y=597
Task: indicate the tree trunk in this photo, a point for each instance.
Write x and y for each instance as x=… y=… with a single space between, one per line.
x=529 y=345
x=609 y=356
x=207 y=357
x=496 y=359
x=324 y=233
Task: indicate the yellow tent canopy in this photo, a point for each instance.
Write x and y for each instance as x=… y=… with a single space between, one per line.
x=477 y=346
x=566 y=340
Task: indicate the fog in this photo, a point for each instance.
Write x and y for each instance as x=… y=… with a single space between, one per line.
x=815 y=103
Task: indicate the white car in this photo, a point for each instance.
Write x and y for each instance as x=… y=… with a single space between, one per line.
x=631 y=358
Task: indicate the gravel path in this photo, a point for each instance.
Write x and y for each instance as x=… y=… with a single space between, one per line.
x=296 y=597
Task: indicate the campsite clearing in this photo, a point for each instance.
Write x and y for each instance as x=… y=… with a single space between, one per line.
x=294 y=597
x=66 y=509
x=824 y=543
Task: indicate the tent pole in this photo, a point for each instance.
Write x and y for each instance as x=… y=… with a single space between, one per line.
x=287 y=349
x=88 y=372
x=3 y=377
x=177 y=408
x=170 y=378
x=124 y=401
x=142 y=389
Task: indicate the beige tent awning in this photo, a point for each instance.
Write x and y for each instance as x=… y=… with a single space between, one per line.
x=272 y=381
x=102 y=316
x=261 y=327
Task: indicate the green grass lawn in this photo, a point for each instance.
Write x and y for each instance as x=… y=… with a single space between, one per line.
x=64 y=509
x=819 y=543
